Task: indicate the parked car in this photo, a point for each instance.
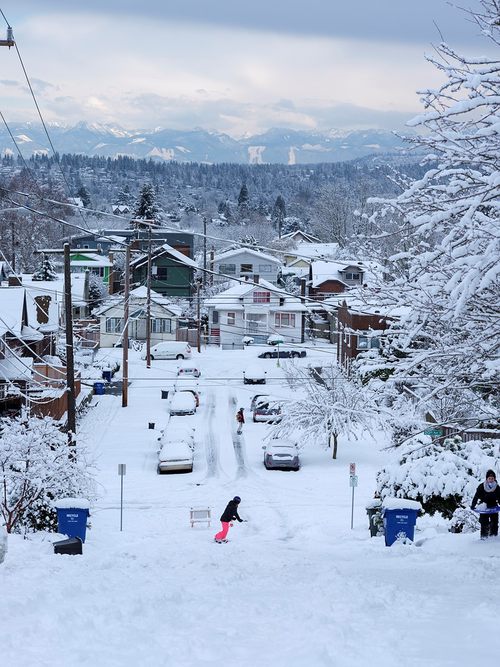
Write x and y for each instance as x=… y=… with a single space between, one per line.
x=281 y=454
x=183 y=403
x=275 y=339
x=175 y=457
x=283 y=353
x=173 y=433
x=267 y=412
x=170 y=349
x=189 y=385
x=188 y=371
x=257 y=398
x=254 y=375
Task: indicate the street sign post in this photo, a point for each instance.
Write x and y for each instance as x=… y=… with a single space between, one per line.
x=353 y=482
x=122 y=471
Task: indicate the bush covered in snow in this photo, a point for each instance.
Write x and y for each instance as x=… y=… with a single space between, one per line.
x=443 y=476
x=37 y=466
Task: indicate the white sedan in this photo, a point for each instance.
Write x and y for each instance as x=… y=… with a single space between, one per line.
x=175 y=457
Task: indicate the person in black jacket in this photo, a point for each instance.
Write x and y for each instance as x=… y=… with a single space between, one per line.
x=228 y=515
x=240 y=418
x=488 y=493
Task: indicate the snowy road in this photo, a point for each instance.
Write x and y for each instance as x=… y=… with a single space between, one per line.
x=294 y=587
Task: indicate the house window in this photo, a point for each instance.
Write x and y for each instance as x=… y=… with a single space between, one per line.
x=114 y=324
x=282 y=320
x=353 y=276
x=227 y=268
x=246 y=268
x=265 y=268
x=215 y=317
x=231 y=319
x=368 y=342
x=262 y=297
x=161 y=325
x=161 y=273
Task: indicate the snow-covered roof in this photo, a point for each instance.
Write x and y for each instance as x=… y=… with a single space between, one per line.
x=239 y=251
x=93 y=260
x=16 y=368
x=56 y=288
x=310 y=251
x=327 y=270
x=165 y=249
x=11 y=309
x=298 y=233
x=230 y=299
x=365 y=302
x=140 y=295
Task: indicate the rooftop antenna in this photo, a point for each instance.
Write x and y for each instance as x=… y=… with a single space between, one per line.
x=10 y=38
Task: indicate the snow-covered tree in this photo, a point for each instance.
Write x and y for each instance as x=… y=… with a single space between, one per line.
x=97 y=290
x=328 y=405
x=37 y=466
x=45 y=271
x=84 y=195
x=442 y=475
x=278 y=214
x=243 y=197
x=448 y=262
x=146 y=207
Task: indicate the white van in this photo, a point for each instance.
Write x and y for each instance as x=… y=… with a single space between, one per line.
x=170 y=349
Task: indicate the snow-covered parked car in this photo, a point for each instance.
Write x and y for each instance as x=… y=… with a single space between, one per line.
x=254 y=374
x=175 y=456
x=188 y=370
x=267 y=411
x=173 y=433
x=183 y=403
x=281 y=454
x=172 y=349
x=189 y=385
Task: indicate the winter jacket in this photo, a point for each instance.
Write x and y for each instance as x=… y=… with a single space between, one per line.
x=240 y=417
x=231 y=512
x=491 y=498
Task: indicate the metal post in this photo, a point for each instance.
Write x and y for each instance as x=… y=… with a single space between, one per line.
x=352 y=508
x=126 y=310
x=121 y=503
x=70 y=361
x=148 y=307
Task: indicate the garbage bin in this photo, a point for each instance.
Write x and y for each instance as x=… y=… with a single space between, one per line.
x=400 y=517
x=374 y=511
x=106 y=375
x=72 y=546
x=72 y=515
x=164 y=393
x=99 y=388
x=151 y=426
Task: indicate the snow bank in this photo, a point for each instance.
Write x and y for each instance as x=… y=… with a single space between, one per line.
x=3 y=544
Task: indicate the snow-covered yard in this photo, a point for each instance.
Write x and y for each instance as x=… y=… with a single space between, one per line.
x=294 y=586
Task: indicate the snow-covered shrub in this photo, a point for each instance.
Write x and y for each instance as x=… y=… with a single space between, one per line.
x=443 y=476
x=464 y=520
x=37 y=466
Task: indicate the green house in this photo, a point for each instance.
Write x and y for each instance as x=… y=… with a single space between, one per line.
x=171 y=271
x=93 y=262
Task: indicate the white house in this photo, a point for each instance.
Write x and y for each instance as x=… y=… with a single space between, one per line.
x=257 y=311
x=164 y=318
x=245 y=263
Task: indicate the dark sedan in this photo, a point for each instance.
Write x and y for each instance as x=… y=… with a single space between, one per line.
x=282 y=353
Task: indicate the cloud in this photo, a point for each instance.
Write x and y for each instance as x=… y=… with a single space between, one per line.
x=9 y=82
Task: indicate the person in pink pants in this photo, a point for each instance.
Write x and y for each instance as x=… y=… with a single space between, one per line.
x=228 y=515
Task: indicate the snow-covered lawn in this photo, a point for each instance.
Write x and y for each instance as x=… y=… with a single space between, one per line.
x=293 y=587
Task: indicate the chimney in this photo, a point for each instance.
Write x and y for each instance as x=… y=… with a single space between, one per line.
x=15 y=281
x=256 y=278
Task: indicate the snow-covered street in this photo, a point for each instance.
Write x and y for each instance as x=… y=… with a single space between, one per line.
x=294 y=586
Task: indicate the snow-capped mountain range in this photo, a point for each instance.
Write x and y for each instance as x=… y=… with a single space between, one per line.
x=274 y=146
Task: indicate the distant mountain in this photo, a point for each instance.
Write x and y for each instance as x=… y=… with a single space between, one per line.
x=280 y=146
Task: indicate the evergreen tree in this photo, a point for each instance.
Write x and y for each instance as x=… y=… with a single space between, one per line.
x=84 y=195
x=243 y=197
x=146 y=207
x=46 y=271
x=278 y=214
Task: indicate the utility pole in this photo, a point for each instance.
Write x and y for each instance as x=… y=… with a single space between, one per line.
x=126 y=311
x=204 y=250
x=198 y=312
x=148 y=307
x=70 y=359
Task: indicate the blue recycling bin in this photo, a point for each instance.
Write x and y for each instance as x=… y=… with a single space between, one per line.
x=99 y=388
x=106 y=375
x=399 y=523
x=72 y=521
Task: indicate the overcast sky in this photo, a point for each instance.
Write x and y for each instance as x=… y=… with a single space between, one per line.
x=227 y=65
